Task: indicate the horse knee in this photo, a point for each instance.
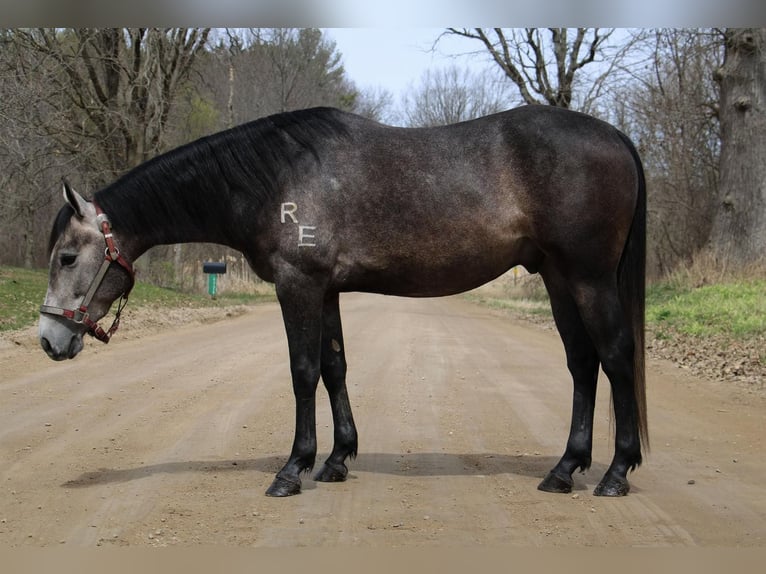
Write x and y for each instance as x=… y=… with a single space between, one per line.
x=617 y=358
x=333 y=371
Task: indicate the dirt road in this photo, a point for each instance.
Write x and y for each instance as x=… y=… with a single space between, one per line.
x=172 y=438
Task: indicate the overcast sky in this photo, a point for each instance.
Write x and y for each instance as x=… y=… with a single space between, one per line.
x=396 y=58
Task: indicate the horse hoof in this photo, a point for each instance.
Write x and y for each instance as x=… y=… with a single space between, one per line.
x=283 y=487
x=612 y=486
x=331 y=473
x=556 y=483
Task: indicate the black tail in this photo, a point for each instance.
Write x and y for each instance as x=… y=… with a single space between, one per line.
x=632 y=290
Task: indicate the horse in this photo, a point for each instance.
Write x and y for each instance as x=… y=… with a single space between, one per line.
x=322 y=202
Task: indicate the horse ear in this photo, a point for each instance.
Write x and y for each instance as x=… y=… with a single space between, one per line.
x=74 y=199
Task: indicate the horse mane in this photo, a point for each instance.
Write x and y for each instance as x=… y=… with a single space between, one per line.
x=201 y=180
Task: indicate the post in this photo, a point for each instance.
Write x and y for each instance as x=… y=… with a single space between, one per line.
x=212 y=282
x=213 y=269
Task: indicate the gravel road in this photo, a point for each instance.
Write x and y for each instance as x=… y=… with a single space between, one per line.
x=171 y=438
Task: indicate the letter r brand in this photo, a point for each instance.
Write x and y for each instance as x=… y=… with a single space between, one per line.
x=287 y=210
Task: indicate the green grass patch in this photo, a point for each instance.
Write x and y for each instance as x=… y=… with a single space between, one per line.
x=22 y=292
x=736 y=310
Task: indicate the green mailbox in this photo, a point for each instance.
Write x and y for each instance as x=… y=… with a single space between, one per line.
x=213 y=270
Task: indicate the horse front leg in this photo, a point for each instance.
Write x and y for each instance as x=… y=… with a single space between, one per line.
x=301 y=303
x=334 y=377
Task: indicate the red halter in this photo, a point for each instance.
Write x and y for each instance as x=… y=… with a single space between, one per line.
x=111 y=255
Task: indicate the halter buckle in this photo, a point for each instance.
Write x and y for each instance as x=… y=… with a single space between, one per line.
x=102 y=219
x=80 y=315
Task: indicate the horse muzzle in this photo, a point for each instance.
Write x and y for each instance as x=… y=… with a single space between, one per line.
x=58 y=342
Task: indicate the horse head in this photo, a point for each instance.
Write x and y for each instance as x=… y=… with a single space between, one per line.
x=86 y=275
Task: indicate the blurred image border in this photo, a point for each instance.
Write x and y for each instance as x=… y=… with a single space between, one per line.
x=391 y=13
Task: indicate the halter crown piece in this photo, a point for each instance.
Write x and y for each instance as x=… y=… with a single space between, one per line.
x=111 y=255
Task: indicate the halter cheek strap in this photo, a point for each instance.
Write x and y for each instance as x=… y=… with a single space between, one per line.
x=111 y=255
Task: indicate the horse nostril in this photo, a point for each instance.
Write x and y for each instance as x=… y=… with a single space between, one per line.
x=74 y=347
x=57 y=355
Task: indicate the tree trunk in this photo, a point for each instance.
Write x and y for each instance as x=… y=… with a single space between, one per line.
x=230 y=103
x=739 y=227
x=178 y=266
x=30 y=234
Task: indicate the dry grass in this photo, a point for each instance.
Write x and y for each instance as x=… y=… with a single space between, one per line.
x=709 y=268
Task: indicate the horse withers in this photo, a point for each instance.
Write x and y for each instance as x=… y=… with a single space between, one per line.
x=323 y=202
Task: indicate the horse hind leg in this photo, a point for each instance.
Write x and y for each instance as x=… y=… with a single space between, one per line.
x=334 y=377
x=583 y=364
x=611 y=333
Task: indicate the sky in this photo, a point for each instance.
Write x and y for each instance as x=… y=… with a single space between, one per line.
x=396 y=58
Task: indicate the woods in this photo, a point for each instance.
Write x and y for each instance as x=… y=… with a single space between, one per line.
x=89 y=104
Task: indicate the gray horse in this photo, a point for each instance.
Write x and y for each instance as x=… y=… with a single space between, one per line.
x=323 y=202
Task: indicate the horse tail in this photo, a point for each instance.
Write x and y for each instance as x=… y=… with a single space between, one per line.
x=631 y=278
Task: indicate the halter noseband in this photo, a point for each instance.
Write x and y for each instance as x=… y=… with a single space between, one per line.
x=111 y=255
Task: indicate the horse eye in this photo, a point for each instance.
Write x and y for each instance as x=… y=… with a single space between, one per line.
x=67 y=259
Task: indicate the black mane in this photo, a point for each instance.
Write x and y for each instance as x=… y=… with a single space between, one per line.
x=201 y=180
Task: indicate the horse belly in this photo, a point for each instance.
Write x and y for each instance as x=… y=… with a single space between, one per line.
x=431 y=266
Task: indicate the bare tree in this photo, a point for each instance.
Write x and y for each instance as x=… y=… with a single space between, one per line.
x=453 y=95
x=29 y=159
x=670 y=110
x=85 y=102
x=305 y=65
x=374 y=103
x=739 y=230
x=119 y=85
x=271 y=70
x=543 y=64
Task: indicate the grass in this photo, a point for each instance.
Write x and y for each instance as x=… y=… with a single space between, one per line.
x=522 y=305
x=517 y=292
x=736 y=309
x=687 y=303
x=144 y=294
x=22 y=292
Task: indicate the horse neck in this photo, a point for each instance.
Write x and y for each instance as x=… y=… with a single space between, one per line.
x=145 y=215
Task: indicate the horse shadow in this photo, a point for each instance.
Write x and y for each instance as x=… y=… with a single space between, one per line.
x=414 y=465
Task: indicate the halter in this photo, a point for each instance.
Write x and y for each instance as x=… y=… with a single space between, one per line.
x=111 y=255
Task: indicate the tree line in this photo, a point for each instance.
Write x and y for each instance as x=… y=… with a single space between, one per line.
x=90 y=104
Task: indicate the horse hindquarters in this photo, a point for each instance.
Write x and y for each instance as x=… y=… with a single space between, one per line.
x=623 y=360
x=600 y=317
